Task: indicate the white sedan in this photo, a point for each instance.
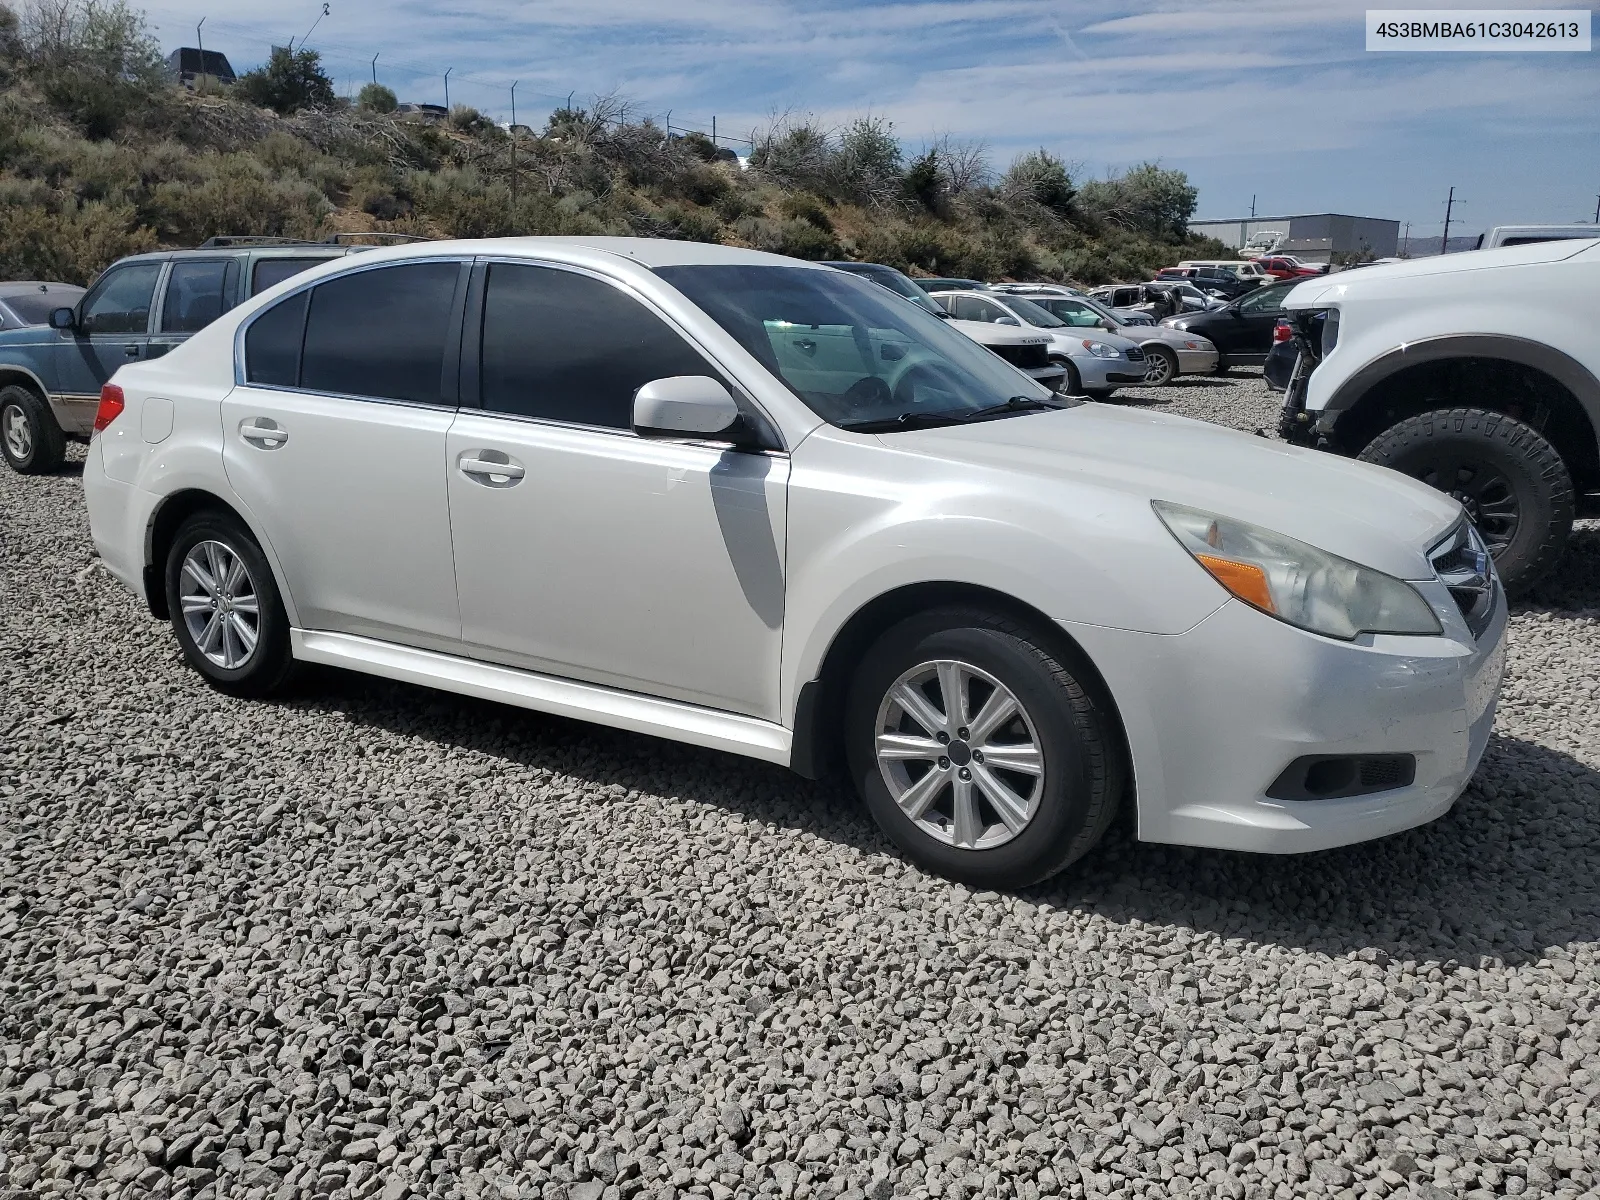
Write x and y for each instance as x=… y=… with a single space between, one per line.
x=760 y=505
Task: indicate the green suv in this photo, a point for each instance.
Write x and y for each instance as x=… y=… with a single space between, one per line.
x=139 y=308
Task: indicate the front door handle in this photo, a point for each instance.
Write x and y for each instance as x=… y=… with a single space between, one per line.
x=491 y=468
x=263 y=434
x=131 y=349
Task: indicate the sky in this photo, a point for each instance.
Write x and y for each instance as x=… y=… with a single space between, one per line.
x=1275 y=101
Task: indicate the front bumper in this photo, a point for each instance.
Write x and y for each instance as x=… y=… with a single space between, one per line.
x=1097 y=373
x=1214 y=715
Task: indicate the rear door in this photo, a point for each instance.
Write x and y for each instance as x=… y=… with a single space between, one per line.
x=197 y=291
x=335 y=442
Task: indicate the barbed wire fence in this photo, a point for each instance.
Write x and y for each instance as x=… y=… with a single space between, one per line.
x=351 y=68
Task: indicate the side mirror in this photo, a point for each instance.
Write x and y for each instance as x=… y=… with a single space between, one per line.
x=1107 y=325
x=63 y=318
x=1007 y=321
x=686 y=406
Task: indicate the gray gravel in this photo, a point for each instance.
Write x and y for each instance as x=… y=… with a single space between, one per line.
x=379 y=941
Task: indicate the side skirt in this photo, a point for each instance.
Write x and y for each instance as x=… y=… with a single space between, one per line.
x=548 y=694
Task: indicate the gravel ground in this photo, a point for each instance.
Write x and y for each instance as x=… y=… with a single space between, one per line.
x=374 y=940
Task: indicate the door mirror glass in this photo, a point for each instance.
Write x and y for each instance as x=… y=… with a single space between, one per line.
x=1107 y=326
x=686 y=406
x=63 y=318
x=1007 y=321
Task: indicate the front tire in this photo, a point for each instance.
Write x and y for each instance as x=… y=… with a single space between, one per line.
x=225 y=607
x=1512 y=482
x=1073 y=384
x=1161 y=366
x=30 y=439
x=978 y=751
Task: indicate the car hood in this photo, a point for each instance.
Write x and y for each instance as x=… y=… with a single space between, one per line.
x=1326 y=289
x=1368 y=514
x=990 y=334
x=1073 y=338
x=26 y=335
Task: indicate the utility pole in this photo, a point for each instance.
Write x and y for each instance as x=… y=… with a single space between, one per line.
x=447 y=88
x=514 y=156
x=1405 y=246
x=1252 y=206
x=199 y=40
x=1597 y=210
x=1444 y=242
x=714 y=142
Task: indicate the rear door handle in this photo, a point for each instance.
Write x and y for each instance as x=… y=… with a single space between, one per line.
x=131 y=349
x=491 y=468
x=263 y=434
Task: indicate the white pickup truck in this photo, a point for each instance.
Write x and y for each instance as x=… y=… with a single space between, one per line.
x=1478 y=373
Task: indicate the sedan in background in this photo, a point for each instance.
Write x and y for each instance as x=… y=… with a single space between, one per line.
x=1096 y=365
x=1168 y=352
x=1241 y=330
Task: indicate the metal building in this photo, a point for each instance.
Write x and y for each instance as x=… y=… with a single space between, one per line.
x=1315 y=237
x=188 y=63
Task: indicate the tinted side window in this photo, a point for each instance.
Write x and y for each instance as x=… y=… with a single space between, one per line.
x=381 y=333
x=194 y=296
x=272 y=271
x=566 y=347
x=120 y=302
x=272 y=345
x=970 y=308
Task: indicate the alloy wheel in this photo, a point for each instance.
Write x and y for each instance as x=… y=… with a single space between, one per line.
x=17 y=432
x=1158 y=368
x=1483 y=490
x=220 y=608
x=959 y=754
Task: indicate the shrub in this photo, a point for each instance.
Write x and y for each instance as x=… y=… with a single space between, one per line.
x=1041 y=178
x=235 y=194
x=73 y=243
x=374 y=97
x=692 y=225
x=95 y=62
x=803 y=207
x=702 y=183
x=291 y=80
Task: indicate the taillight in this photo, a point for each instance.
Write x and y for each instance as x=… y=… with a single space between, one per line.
x=111 y=404
x=1280 y=333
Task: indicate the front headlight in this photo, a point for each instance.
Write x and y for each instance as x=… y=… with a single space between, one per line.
x=1100 y=349
x=1295 y=582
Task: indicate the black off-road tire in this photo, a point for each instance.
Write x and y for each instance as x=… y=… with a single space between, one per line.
x=1492 y=443
x=1083 y=772
x=271 y=666
x=47 y=444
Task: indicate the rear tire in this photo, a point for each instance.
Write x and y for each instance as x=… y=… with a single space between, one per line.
x=1513 y=483
x=1041 y=785
x=1222 y=365
x=30 y=439
x=225 y=607
x=1161 y=365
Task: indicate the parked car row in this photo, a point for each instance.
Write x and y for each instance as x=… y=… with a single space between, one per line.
x=768 y=507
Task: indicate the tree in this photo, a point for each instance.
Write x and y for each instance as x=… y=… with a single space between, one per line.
x=1147 y=198
x=292 y=80
x=1042 y=178
x=95 y=62
x=374 y=97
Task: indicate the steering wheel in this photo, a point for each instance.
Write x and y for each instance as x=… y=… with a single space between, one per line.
x=905 y=388
x=869 y=391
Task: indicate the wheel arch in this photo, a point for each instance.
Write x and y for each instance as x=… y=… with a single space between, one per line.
x=13 y=375
x=162 y=527
x=1548 y=389
x=819 y=706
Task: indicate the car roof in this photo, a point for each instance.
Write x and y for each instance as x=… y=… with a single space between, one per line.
x=273 y=250
x=647 y=252
x=28 y=287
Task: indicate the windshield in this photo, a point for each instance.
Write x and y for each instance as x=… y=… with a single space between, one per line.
x=856 y=357
x=1078 y=312
x=1034 y=313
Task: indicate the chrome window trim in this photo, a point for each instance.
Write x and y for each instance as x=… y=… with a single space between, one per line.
x=243 y=327
x=300 y=391
x=627 y=288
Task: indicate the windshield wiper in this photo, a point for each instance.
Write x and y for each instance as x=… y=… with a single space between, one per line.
x=1013 y=404
x=906 y=420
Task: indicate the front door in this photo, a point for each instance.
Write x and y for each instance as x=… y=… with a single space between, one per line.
x=584 y=551
x=1249 y=325
x=113 y=329
x=336 y=444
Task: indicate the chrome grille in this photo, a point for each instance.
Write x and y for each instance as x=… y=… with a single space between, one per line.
x=1465 y=566
x=1025 y=356
x=1136 y=353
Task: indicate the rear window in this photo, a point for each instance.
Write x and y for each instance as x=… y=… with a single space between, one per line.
x=272 y=346
x=270 y=272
